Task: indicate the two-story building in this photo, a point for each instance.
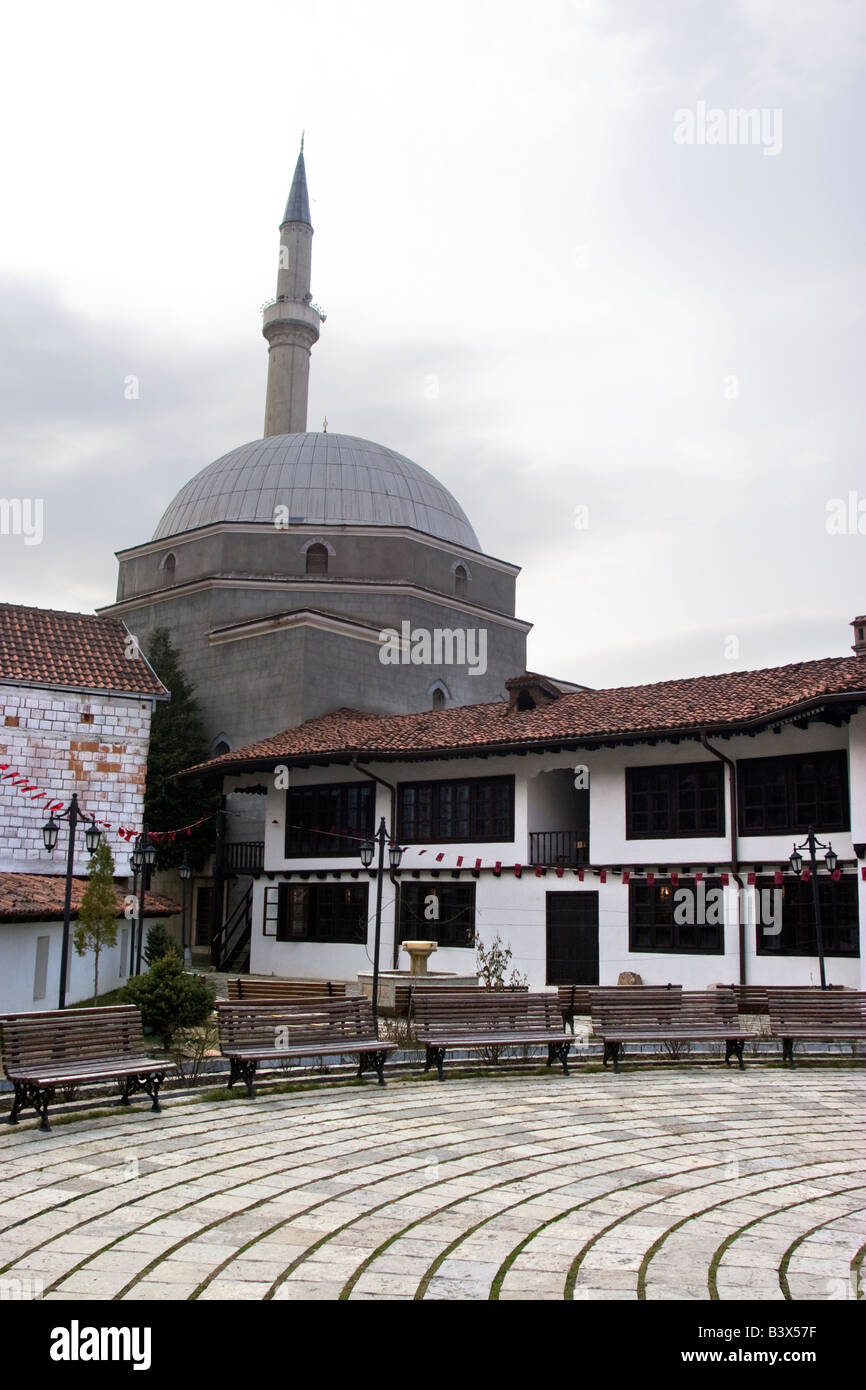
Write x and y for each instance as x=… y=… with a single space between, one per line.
x=644 y=829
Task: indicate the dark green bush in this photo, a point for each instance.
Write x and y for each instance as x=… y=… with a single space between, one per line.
x=169 y=999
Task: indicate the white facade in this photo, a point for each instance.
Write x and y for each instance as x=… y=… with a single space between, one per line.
x=30 y=966
x=515 y=907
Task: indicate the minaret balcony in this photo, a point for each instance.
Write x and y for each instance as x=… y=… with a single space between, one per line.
x=290 y=311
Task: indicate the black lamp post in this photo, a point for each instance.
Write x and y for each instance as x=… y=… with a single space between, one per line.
x=185 y=872
x=92 y=836
x=395 y=854
x=831 y=860
x=142 y=862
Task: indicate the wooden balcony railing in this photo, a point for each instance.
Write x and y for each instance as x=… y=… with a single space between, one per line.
x=558 y=849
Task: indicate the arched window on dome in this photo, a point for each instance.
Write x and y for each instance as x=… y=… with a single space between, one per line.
x=439 y=695
x=167 y=565
x=438 y=699
x=461 y=579
x=317 y=560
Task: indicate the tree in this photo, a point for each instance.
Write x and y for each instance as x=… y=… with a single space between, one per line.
x=178 y=739
x=158 y=943
x=96 y=927
x=169 y=999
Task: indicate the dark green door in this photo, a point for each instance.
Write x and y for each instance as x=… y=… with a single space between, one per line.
x=572 y=938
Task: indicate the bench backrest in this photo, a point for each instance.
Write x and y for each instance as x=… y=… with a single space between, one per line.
x=244 y=988
x=70 y=1035
x=577 y=999
x=485 y=1010
x=822 y=1007
x=651 y=1007
x=755 y=999
x=283 y=1022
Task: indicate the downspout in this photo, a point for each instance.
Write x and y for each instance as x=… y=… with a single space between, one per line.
x=393 y=828
x=734 y=836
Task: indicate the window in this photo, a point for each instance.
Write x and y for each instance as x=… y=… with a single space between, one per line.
x=317 y=559
x=460 y=580
x=334 y=912
x=476 y=808
x=438 y=698
x=840 y=922
x=677 y=801
x=168 y=564
x=783 y=796
x=332 y=819
x=438 y=911
x=685 y=920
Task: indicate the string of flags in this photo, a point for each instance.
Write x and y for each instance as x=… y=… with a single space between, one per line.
x=21 y=781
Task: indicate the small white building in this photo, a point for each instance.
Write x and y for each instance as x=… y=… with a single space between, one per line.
x=76 y=699
x=31 y=936
x=644 y=829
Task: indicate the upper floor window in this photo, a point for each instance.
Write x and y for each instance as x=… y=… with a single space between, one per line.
x=840 y=925
x=332 y=819
x=317 y=559
x=684 y=799
x=460 y=580
x=474 y=808
x=438 y=911
x=168 y=565
x=785 y=795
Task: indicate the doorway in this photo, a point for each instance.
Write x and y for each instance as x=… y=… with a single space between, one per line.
x=572 y=938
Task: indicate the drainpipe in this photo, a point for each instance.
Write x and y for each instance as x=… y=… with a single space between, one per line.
x=393 y=790
x=734 y=836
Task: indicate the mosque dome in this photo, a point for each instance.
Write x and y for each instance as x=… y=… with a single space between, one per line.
x=323 y=479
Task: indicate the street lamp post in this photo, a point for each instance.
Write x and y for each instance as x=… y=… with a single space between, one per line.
x=812 y=844
x=185 y=872
x=395 y=854
x=92 y=836
x=142 y=861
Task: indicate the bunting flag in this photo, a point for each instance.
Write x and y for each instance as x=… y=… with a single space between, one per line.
x=751 y=880
x=518 y=870
x=806 y=875
x=778 y=878
x=726 y=878
x=626 y=876
x=675 y=878
x=559 y=872
x=602 y=877
x=650 y=878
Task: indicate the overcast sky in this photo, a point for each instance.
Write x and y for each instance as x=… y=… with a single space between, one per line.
x=533 y=290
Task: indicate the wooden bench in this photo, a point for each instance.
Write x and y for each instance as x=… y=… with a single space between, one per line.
x=474 y=1018
x=61 y=1047
x=755 y=999
x=405 y=994
x=816 y=1015
x=268 y=1030
x=575 y=999
x=245 y=988
x=651 y=1014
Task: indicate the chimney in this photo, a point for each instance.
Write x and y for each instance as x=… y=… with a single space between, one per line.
x=530 y=690
x=859 y=626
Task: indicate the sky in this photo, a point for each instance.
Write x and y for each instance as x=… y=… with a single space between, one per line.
x=634 y=354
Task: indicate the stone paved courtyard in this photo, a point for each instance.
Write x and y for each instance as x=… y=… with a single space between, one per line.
x=683 y=1183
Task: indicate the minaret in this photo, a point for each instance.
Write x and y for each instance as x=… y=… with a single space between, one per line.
x=291 y=324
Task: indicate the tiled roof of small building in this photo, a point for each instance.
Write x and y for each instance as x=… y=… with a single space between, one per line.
x=41 y=646
x=715 y=703
x=40 y=897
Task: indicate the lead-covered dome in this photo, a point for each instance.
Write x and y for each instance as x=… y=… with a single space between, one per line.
x=326 y=479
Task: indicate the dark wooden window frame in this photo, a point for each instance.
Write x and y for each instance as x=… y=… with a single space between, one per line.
x=413 y=926
x=408 y=833
x=789 y=764
x=674 y=773
x=339 y=836
x=837 y=918
x=315 y=897
x=641 y=894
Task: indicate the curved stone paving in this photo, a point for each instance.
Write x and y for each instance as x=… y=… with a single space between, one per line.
x=686 y=1183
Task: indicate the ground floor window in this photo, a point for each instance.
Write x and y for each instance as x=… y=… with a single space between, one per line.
x=840 y=920
x=437 y=911
x=685 y=918
x=334 y=912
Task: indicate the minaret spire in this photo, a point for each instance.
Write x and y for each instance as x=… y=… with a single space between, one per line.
x=291 y=323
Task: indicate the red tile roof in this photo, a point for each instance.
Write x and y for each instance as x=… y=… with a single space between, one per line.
x=40 y=897
x=716 y=703
x=40 y=646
